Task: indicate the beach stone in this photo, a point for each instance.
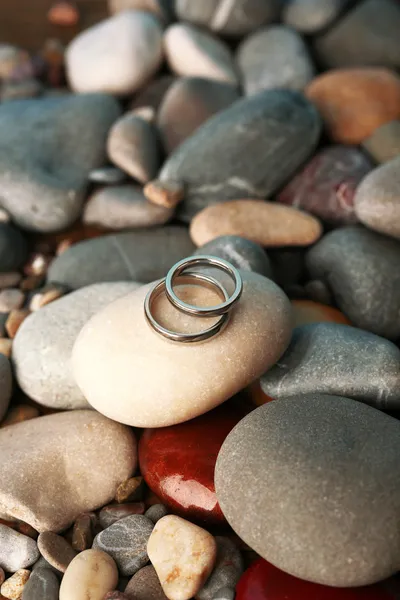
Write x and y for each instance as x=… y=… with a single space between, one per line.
x=127 y=360
x=6 y=385
x=159 y=8
x=138 y=255
x=42 y=584
x=227 y=570
x=129 y=46
x=377 y=199
x=384 y=143
x=326 y=185
x=13 y=248
x=125 y=541
x=42 y=182
x=91 y=574
x=227 y=18
x=11 y=299
x=156 y=512
x=308 y=311
x=43 y=564
x=266 y=223
x=145 y=585
x=131 y=490
x=43 y=344
x=57 y=466
x=312 y=16
x=355 y=102
x=192 y=52
x=183 y=556
x=17 y=551
x=107 y=176
x=115 y=512
x=335 y=359
x=366 y=36
x=82 y=533
x=56 y=550
x=241 y=253
x=188 y=103
x=274 y=57
x=19 y=413
x=280 y=512
x=359 y=267
x=283 y=128
x=179 y=469
x=133 y=146
x=152 y=94
x=13 y=587
x=123 y=207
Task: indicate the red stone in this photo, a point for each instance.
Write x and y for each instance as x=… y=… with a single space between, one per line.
x=263 y=581
x=177 y=462
x=326 y=186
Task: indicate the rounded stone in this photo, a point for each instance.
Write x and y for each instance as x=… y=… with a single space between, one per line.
x=107 y=176
x=227 y=570
x=91 y=574
x=309 y=311
x=156 y=512
x=178 y=386
x=56 y=550
x=274 y=57
x=116 y=56
x=55 y=467
x=310 y=520
x=355 y=102
x=13 y=587
x=43 y=584
x=17 y=551
x=6 y=384
x=384 y=143
x=312 y=16
x=152 y=94
x=241 y=253
x=145 y=585
x=13 y=248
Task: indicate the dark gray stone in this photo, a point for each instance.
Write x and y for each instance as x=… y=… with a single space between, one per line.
x=248 y=150
x=145 y=585
x=287 y=266
x=156 y=512
x=227 y=570
x=361 y=268
x=43 y=584
x=47 y=149
x=311 y=16
x=242 y=254
x=312 y=484
x=141 y=256
x=384 y=143
x=13 y=248
x=329 y=358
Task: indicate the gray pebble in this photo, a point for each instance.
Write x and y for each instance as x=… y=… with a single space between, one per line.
x=384 y=143
x=6 y=384
x=227 y=570
x=298 y=480
x=312 y=16
x=43 y=584
x=43 y=564
x=224 y=593
x=126 y=542
x=107 y=175
x=13 y=248
x=241 y=253
x=17 y=551
x=156 y=512
x=145 y=585
x=151 y=95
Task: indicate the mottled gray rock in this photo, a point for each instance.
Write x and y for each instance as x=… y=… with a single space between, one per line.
x=43 y=584
x=145 y=585
x=17 y=551
x=248 y=150
x=298 y=479
x=384 y=143
x=13 y=248
x=311 y=16
x=43 y=344
x=227 y=570
x=156 y=512
x=43 y=564
x=329 y=358
x=45 y=159
x=361 y=269
x=126 y=542
x=6 y=383
x=142 y=256
x=274 y=57
x=241 y=253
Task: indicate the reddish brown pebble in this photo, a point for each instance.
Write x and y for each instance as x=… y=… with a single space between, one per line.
x=32 y=282
x=164 y=193
x=63 y=14
x=116 y=596
x=130 y=490
x=114 y=512
x=5 y=347
x=355 y=102
x=307 y=311
x=56 y=550
x=82 y=533
x=15 y=320
x=27 y=529
x=17 y=414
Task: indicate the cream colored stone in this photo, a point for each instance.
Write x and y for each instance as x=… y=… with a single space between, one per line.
x=133 y=375
x=13 y=587
x=183 y=555
x=89 y=576
x=266 y=223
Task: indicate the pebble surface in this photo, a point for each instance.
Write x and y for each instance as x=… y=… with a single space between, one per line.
x=43 y=584
x=91 y=574
x=17 y=551
x=145 y=585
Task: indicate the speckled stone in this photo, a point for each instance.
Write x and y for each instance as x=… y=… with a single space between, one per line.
x=90 y=575
x=227 y=570
x=384 y=143
x=145 y=585
x=274 y=57
x=13 y=587
x=43 y=584
x=241 y=253
x=56 y=550
x=312 y=16
x=360 y=268
x=6 y=384
x=17 y=551
x=309 y=520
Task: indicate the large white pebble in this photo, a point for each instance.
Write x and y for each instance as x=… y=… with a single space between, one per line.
x=89 y=576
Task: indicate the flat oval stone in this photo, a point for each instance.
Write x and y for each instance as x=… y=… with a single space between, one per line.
x=216 y=163
x=138 y=255
x=43 y=584
x=58 y=466
x=274 y=57
x=329 y=358
x=179 y=467
x=312 y=16
x=178 y=386
x=56 y=550
x=241 y=253
x=227 y=570
x=42 y=348
x=384 y=143
x=355 y=102
x=145 y=585
x=6 y=384
x=309 y=520
x=91 y=574
x=308 y=311
x=17 y=551
x=360 y=268
x=266 y=223
x=326 y=185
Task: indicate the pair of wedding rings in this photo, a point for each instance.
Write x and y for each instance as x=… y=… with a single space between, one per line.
x=179 y=275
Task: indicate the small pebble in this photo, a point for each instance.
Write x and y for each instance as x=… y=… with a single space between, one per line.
x=10 y=299
x=5 y=347
x=63 y=14
x=115 y=512
x=156 y=512
x=227 y=570
x=152 y=94
x=49 y=293
x=312 y=16
x=107 y=175
x=13 y=587
x=145 y=585
x=384 y=143
x=56 y=550
x=43 y=584
x=241 y=253
x=15 y=319
x=130 y=490
x=90 y=575
x=308 y=311
x=17 y=551
x=167 y=194
x=8 y=280
x=82 y=534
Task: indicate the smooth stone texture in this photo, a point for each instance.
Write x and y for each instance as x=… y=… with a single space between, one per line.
x=361 y=269
x=326 y=185
x=139 y=256
x=216 y=163
x=179 y=468
x=115 y=512
x=156 y=512
x=42 y=584
x=42 y=181
x=312 y=16
x=310 y=520
x=242 y=254
x=117 y=55
x=367 y=35
x=274 y=57
x=42 y=347
x=55 y=467
x=377 y=200
x=152 y=94
x=225 y=593
x=56 y=550
x=227 y=570
x=384 y=143
x=309 y=311
x=145 y=585
x=120 y=339
x=90 y=576
x=6 y=384
x=188 y=103
x=17 y=551
x=192 y=52
x=329 y=358
x=183 y=556
x=123 y=207
x=107 y=176
x=126 y=541
x=13 y=248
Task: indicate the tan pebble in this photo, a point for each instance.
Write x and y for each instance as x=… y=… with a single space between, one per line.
x=266 y=223
x=183 y=556
x=82 y=533
x=91 y=574
x=56 y=550
x=20 y=413
x=15 y=320
x=11 y=279
x=10 y=299
x=130 y=490
x=5 y=347
x=63 y=14
x=355 y=102
x=164 y=193
x=13 y=587
x=51 y=292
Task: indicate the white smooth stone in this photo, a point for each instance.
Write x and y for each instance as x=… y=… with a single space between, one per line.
x=89 y=576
